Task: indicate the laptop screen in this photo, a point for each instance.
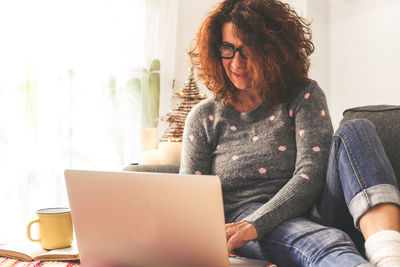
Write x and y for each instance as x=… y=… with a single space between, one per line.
x=147 y=219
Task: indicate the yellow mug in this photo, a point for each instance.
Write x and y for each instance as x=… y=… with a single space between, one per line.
x=55 y=228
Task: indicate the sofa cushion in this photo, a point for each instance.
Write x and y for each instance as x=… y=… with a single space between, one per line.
x=153 y=168
x=386 y=119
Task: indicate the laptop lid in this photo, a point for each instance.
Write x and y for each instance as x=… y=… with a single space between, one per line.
x=147 y=219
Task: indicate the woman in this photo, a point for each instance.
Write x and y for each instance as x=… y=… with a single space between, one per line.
x=267 y=134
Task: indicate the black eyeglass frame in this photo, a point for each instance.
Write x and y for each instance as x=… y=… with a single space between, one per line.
x=234 y=49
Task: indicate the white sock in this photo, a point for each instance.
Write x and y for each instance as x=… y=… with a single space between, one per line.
x=383 y=248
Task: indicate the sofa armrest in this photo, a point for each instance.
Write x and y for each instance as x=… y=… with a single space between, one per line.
x=153 y=168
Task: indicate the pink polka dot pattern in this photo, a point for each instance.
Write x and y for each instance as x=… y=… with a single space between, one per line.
x=307 y=96
x=291 y=113
x=301 y=132
x=233 y=128
x=218 y=147
x=235 y=157
x=191 y=137
x=197 y=172
x=282 y=148
x=262 y=170
x=255 y=138
x=211 y=117
x=272 y=118
x=305 y=176
x=323 y=113
x=316 y=149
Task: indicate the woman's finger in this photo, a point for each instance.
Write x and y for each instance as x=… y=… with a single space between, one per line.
x=230 y=230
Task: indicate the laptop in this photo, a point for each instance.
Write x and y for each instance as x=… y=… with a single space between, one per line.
x=148 y=219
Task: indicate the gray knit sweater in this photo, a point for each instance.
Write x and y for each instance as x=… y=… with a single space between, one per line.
x=275 y=156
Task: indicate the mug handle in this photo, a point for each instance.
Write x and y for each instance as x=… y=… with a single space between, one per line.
x=28 y=231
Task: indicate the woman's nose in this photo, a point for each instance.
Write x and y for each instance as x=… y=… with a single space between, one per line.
x=238 y=61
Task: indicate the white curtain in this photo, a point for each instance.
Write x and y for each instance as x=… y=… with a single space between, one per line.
x=67 y=93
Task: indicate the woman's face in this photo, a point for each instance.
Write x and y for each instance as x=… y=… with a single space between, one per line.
x=236 y=68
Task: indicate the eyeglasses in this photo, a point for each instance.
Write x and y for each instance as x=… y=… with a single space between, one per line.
x=228 y=51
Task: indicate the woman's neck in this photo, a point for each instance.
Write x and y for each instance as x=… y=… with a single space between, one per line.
x=247 y=100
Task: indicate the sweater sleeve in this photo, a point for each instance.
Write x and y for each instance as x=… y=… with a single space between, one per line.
x=313 y=134
x=196 y=150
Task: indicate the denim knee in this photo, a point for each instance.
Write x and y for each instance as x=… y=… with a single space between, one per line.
x=356 y=126
x=331 y=242
x=300 y=242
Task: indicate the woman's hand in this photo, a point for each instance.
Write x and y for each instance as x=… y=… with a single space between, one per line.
x=239 y=233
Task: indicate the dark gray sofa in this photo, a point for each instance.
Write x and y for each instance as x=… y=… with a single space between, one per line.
x=153 y=168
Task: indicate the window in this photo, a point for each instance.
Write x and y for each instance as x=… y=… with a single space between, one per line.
x=67 y=93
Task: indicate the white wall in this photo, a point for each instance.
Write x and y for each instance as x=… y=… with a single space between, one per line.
x=190 y=15
x=364 y=54
x=318 y=15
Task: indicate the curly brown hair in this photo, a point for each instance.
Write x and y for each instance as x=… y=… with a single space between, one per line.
x=277 y=43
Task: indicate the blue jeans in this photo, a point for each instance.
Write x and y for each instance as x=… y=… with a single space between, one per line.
x=359 y=177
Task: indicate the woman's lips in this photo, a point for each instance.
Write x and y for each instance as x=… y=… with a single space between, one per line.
x=240 y=75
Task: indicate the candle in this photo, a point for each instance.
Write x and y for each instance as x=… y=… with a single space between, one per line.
x=170 y=152
x=149 y=157
x=148 y=138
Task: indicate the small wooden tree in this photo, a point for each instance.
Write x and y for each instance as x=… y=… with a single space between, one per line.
x=190 y=95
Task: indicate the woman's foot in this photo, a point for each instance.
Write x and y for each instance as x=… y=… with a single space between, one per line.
x=383 y=248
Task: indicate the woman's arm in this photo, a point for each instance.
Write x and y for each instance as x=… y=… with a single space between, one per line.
x=313 y=133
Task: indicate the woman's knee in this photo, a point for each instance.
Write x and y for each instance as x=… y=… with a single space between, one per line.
x=331 y=239
x=355 y=127
x=330 y=243
x=305 y=243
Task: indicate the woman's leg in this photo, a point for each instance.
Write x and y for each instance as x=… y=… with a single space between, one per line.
x=301 y=242
x=361 y=185
x=379 y=218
